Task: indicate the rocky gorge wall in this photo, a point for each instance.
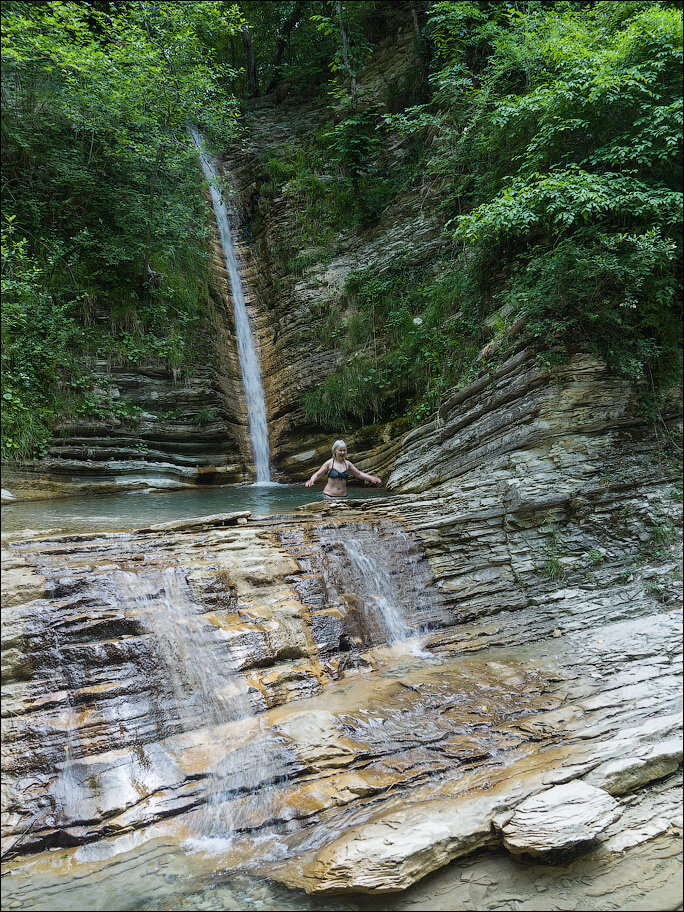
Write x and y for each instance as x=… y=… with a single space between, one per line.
x=291 y=301
x=179 y=428
x=535 y=547
x=238 y=674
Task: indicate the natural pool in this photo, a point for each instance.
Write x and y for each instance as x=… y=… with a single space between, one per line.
x=132 y=510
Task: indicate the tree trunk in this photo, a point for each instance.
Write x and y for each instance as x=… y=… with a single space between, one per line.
x=345 y=54
x=283 y=38
x=252 y=78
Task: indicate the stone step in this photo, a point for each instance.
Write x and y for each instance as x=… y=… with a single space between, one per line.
x=101 y=368
x=76 y=435
x=115 y=469
x=102 y=454
x=136 y=444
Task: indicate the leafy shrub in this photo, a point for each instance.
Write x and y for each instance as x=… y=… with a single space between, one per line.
x=561 y=159
x=405 y=336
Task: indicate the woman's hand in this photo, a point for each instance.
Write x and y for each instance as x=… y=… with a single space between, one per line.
x=309 y=483
x=375 y=480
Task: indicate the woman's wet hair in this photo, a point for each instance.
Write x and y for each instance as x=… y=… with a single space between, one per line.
x=337 y=445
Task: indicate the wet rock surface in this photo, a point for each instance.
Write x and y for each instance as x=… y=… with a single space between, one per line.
x=229 y=681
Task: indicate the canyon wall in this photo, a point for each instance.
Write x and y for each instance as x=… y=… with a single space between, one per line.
x=178 y=428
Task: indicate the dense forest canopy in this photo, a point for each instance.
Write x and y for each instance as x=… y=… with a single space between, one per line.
x=551 y=133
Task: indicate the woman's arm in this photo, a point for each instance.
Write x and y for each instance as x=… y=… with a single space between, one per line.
x=362 y=475
x=316 y=475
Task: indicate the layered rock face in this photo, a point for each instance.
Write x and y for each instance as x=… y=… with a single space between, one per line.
x=160 y=633
x=182 y=431
x=184 y=427
x=527 y=484
x=247 y=677
x=292 y=300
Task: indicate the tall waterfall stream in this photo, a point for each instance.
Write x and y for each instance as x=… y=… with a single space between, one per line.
x=249 y=362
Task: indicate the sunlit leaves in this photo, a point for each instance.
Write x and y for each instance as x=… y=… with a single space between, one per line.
x=562 y=127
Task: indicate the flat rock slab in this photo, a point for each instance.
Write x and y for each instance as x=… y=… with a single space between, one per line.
x=628 y=773
x=395 y=850
x=560 y=818
x=200 y=522
x=20 y=583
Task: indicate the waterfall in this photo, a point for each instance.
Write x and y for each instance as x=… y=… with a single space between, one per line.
x=374 y=571
x=366 y=575
x=67 y=791
x=249 y=363
x=204 y=690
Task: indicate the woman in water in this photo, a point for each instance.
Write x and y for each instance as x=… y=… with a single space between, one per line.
x=338 y=469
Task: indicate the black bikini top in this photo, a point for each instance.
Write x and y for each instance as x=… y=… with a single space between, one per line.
x=333 y=473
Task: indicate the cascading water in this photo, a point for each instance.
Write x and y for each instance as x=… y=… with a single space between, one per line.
x=371 y=577
x=375 y=571
x=249 y=363
x=206 y=692
x=66 y=792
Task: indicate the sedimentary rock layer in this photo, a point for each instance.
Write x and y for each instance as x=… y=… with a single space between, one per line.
x=225 y=678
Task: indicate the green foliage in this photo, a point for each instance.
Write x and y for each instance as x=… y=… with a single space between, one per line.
x=662 y=534
x=104 y=237
x=560 y=156
x=38 y=329
x=351 y=394
x=403 y=338
x=553 y=567
x=205 y=416
x=308 y=49
x=96 y=405
x=338 y=180
x=609 y=293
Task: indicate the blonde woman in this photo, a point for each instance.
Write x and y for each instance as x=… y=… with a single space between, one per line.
x=339 y=468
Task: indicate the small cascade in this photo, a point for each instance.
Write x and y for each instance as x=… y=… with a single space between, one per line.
x=375 y=572
x=205 y=691
x=364 y=575
x=249 y=362
x=66 y=791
